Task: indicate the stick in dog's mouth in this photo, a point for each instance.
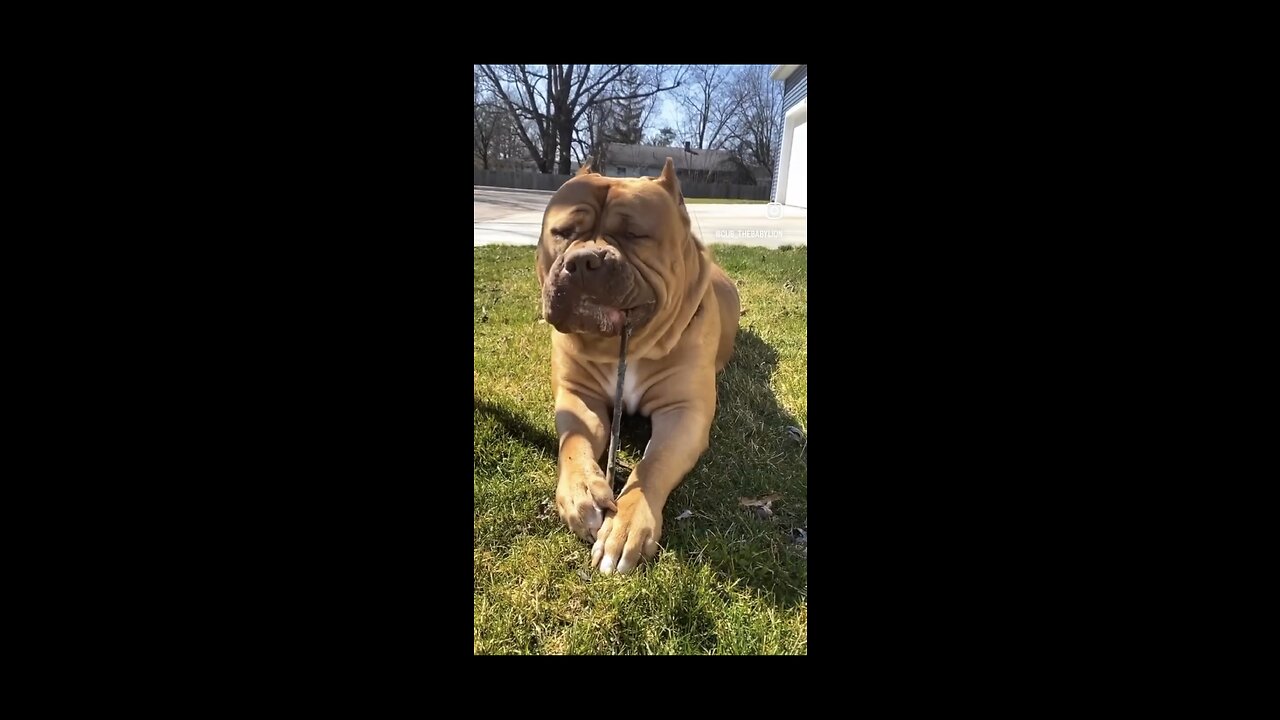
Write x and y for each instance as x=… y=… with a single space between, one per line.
x=617 y=407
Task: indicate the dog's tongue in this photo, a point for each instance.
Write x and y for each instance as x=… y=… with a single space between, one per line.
x=616 y=316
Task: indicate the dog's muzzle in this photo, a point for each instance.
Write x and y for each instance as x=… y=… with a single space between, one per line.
x=592 y=290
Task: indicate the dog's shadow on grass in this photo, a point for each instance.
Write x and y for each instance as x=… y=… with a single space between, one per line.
x=752 y=455
x=518 y=428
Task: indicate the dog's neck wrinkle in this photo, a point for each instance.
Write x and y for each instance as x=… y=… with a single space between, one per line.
x=665 y=338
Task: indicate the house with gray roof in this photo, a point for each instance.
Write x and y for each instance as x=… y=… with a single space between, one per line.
x=695 y=164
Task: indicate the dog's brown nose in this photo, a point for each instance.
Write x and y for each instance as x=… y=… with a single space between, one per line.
x=581 y=262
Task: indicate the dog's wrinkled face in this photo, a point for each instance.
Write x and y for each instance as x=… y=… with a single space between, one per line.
x=603 y=255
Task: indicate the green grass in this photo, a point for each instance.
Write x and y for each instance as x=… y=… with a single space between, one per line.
x=726 y=581
x=719 y=201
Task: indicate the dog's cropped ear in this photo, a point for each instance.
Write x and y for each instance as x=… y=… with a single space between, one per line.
x=588 y=166
x=670 y=182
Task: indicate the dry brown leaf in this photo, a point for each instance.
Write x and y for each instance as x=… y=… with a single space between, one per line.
x=759 y=502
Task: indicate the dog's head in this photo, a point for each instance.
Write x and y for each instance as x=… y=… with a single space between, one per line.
x=613 y=249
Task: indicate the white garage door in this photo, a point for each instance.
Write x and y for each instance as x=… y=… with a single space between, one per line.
x=797 y=169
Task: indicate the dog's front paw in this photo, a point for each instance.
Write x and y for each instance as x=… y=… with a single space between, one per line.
x=628 y=535
x=582 y=499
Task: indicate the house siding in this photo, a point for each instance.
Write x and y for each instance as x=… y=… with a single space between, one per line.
x=794 y=89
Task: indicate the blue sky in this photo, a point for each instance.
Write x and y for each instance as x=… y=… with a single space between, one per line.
x=666 y=115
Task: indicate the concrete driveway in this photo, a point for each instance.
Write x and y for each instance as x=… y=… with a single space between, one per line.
x=514 y=217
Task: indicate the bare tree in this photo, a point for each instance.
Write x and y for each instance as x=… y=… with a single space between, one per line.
x=655 y=76
x=757 y=135
x=711 y=100
x=598 y=121
x=508 y=147
x=494 y=136
x=482 y=133
x=549 y=101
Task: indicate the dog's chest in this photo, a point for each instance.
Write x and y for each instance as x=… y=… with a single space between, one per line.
x=632 y=388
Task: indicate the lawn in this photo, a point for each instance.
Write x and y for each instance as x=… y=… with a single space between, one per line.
x=730 y=579
x=724 y=201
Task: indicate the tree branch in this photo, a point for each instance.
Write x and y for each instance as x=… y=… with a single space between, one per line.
x=637 y=96
x=489 y=73
x=599 y=87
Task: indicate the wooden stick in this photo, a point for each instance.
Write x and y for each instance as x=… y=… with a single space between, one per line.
x=617 y=405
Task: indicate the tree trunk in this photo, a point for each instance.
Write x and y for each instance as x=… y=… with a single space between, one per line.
x=566 y=137
x=550 y=141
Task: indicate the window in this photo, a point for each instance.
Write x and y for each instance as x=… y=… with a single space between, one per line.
x=619 y=170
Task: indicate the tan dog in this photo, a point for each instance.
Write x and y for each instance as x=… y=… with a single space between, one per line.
x=621 y=249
